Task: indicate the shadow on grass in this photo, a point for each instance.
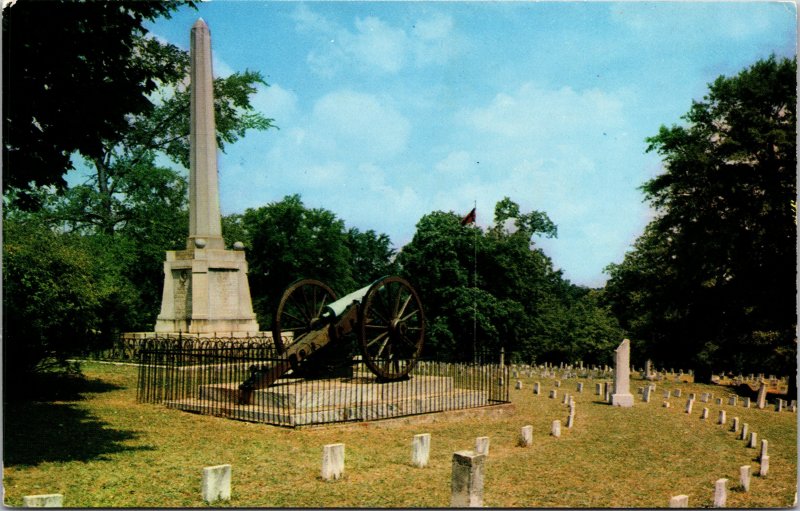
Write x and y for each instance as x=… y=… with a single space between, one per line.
x=38 y=426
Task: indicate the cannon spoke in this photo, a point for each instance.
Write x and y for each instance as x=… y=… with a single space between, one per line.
x=299 y=309
x=392 y=328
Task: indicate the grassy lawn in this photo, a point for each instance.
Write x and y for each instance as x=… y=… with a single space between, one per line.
x=98 y=447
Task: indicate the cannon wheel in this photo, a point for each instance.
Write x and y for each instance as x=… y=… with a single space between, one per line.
x=300 y=309
x=392 y=328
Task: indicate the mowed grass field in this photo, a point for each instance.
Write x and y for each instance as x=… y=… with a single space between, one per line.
x=100 y=448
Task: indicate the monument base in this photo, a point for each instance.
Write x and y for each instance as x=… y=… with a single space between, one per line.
x=623 y=400
x=295 y=402
x=206 y=292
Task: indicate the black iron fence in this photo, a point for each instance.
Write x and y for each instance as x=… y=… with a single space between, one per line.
x=203 y=376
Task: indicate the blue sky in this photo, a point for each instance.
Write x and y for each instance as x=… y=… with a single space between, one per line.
x=390 y=110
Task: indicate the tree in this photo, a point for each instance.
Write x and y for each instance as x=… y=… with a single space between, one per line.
x=287 y=241
x=60 y=290
x=512 y=297
x=72 y=73
x=712 y=279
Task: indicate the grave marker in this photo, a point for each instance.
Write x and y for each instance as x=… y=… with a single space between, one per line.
x=743 y=436
x=622 y=395
x=679 y=501
x=555 y=428
x=735 y=426
x=721 y=417
x=764 y=446
x=720 y=493
x=420 y=450
x=466 y=480
x=216 y=483
x=764 y=468
x=689 y=404
x=761 y=400
x=704 y=414
x=332 y=462
x=45 y=500
x=482 y=445
x=525 y=436
x=753 y=440
x=744 y=477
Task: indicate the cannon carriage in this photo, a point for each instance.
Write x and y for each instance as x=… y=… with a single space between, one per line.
x=311 y=327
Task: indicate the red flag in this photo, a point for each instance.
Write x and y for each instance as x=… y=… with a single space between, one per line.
x=469 y=219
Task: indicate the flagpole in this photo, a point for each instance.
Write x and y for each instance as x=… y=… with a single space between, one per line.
x=475 y=286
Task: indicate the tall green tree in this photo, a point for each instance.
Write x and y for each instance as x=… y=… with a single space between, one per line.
x=712 y=280
x=60 y=290
x=288 y=241
x=493 y=288
x=72 y=73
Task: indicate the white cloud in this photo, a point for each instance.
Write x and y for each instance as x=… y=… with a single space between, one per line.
x=377 y=44
x=275 y=102
x=373 y=45
x=351 y=124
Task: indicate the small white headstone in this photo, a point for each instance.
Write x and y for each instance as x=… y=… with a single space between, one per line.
x=217 y=483
x=679 y=501
x=764 y=468
x=735 y=426
x=46 y=500
x=764 y=446
x=555 y=428
x=720 y=493
x=525 y=436
x=744 y=477
x=676 y=392
x=704 y=415
x=753 y=440
x=536 y=388
x=553 y=393
x=580 y=387
x=689 y=404
x=666 y=404
x=332 y=462
x=420 y=450
x=722 y=418
x=745 y=432
x=518 y=385
x=482 y=445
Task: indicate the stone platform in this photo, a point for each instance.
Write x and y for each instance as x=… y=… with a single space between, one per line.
x=308 y=402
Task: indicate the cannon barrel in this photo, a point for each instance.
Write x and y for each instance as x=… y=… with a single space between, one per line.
x=337 y=308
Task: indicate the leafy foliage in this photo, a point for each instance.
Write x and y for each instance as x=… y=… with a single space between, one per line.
x=713 y=276
x=492 y=289
x=72 y=73
x=288 y=241
x=59 y=291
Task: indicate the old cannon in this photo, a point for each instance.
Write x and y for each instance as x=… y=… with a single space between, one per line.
x=385 y=317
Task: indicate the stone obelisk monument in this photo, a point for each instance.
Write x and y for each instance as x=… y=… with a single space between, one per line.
x=622 y=376
x=205 y=286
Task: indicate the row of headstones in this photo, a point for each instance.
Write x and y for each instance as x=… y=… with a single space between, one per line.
x=705 y=397
x=720 y=487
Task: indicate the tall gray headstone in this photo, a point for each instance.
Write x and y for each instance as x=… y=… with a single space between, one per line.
x=761 y=400
x=205 y=286
x=466 y=481
x=622 y=374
